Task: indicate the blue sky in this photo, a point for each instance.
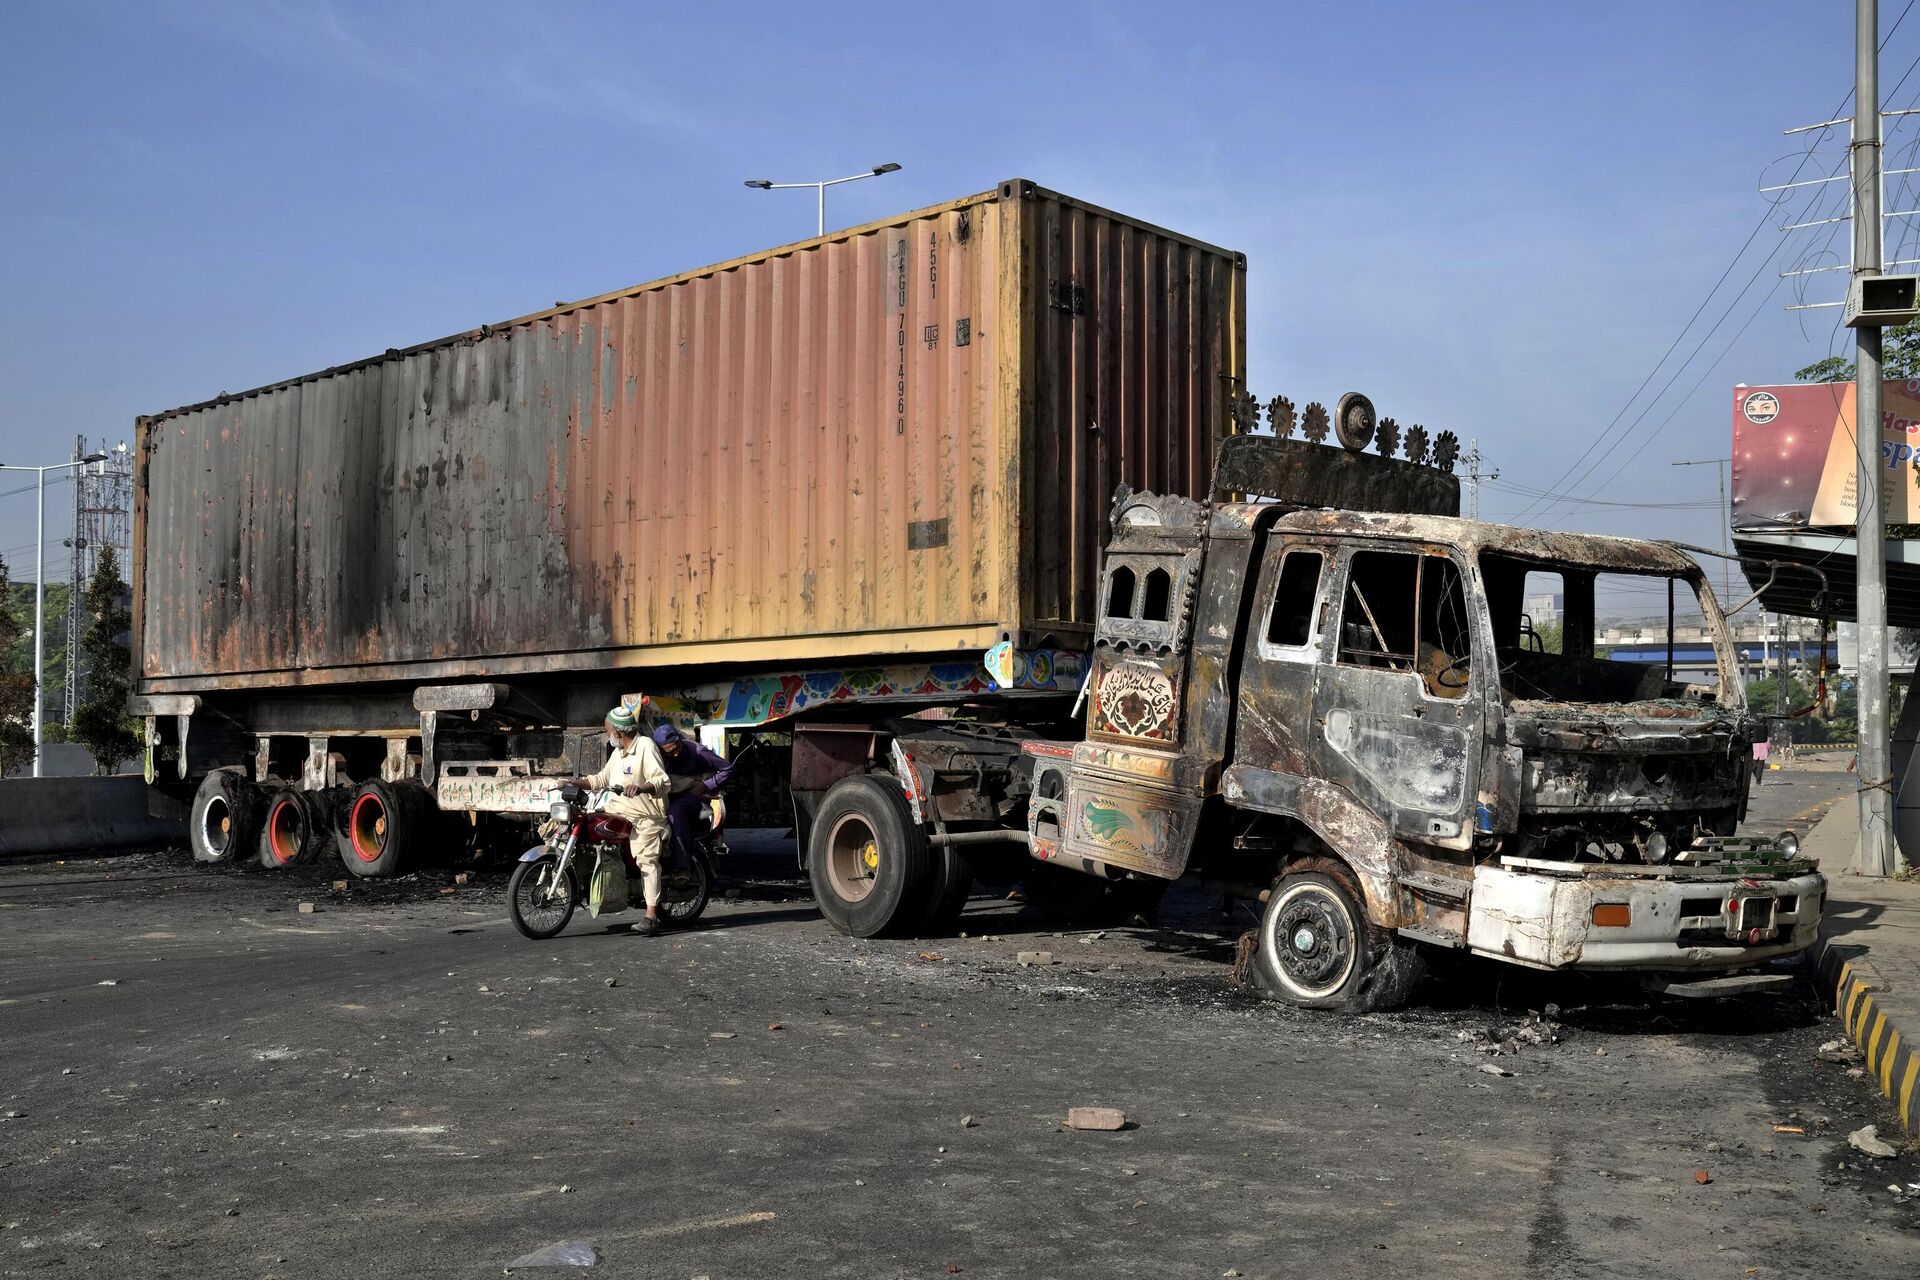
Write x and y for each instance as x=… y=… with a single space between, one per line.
x=1492 y=218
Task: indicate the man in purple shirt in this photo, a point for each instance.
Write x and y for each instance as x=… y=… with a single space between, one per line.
x=696 y=773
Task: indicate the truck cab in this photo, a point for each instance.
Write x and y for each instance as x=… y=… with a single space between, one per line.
x=1325 y=691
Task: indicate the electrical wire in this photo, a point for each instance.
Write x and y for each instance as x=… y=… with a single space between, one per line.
x=1602 y=438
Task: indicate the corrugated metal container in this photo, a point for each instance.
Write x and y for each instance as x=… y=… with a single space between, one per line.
x=901 y=438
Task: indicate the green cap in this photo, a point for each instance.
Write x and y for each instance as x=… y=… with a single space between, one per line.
x=621 y=718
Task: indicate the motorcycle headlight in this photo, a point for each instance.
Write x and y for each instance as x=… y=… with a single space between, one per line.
x=560 y=810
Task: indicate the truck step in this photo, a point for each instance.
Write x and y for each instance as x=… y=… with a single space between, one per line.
x=1437 y=886
x=1427 y=933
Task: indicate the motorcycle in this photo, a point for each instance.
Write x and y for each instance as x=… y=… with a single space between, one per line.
x=550 y=882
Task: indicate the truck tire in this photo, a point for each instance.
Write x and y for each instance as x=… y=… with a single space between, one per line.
x=1317 y=950
x=297 y=828
x=952 y=885
x=872 y=870
x=1075 y=900
x=224 y=821
x=384 y=826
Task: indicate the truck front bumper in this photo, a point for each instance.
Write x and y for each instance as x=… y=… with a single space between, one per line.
x=1641 y=918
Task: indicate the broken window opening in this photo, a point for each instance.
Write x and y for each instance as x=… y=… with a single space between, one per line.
x=1407 y=611
x=1615 y=638
x=1154 y=601
x=1298 y=590
x=1120 y=593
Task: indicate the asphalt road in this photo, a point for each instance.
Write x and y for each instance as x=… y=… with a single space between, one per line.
x=401 y=1085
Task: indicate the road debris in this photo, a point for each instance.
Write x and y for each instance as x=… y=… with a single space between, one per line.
x=613 y=982
x=775 y=1026
x=1842 y=1051
x=308 y=908
x=1867 y=1141
x=1702 y=1177
x=108 y=982
x=1027 y=959
x=1101 y=1119
x=1495 y=1069
x=1790 y=1128
x=568 y=1253
x=722 y=1035
x=968 y=1122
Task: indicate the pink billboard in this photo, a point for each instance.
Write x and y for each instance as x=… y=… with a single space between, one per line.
x=1795 y=457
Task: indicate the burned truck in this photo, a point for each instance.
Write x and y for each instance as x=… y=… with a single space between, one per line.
x=850 y=504
x=1323 y=691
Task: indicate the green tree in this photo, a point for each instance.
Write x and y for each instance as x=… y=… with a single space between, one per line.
x=101 y=723
x=1899 y=358
x=16 y=689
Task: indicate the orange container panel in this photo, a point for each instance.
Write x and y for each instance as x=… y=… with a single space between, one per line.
x=901 y=438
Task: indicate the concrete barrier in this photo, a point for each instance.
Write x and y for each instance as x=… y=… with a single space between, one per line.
x=86 y=815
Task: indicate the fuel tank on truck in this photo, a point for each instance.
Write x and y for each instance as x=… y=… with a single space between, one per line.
x=900 y=438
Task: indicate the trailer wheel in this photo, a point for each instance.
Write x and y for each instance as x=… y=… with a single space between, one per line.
x=296 y=828
x=872 y=870
x=1318 y=950
x=383 y=826
x=225 y=818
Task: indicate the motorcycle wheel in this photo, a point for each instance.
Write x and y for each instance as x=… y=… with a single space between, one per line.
x=540 y=899
x=683 y=903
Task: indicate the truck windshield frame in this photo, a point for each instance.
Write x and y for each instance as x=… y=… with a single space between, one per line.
x=1565 y=661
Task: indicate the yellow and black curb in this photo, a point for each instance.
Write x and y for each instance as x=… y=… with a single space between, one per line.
x=1892 y=1062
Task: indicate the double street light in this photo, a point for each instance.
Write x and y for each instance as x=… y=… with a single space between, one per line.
x=40 y=588
x=762 y=184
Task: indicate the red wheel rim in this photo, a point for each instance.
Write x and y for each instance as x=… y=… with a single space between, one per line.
x=367 y=828
x=283 y=831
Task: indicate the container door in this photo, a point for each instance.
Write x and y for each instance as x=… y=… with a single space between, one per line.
x=1396 y=719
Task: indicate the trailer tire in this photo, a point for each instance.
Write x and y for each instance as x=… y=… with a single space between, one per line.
x=224 y=820
x=1316 y=949
x=385 y=826
x=296 y=829
x=873 y=872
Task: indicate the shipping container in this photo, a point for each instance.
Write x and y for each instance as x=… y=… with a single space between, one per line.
x=899 y=439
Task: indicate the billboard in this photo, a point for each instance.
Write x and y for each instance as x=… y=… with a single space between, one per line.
x=1795 y=461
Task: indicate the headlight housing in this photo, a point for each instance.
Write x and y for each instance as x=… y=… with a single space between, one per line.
x=1789 y=844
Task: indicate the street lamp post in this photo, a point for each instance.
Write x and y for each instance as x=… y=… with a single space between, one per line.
x=40 y=589
x=762 y=184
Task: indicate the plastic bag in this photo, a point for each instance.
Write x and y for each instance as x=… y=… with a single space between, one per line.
x=608 y=892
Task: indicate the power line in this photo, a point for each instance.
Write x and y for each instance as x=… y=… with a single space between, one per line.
x=1606 y=432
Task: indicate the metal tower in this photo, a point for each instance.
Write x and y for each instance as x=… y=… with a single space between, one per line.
x=102 y=517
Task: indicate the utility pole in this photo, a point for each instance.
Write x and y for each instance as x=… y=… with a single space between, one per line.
x=1719 y=466
x=1475 y=460
x=1874 y=781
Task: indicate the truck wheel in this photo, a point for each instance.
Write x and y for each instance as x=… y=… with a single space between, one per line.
x=952 y=884
x=225 y=818
x=872 y=870
x=296 y=828
x=383 y=826
x=1076 y=900
x=1317 y=949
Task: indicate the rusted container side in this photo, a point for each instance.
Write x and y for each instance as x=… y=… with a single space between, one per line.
x=901 y=438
